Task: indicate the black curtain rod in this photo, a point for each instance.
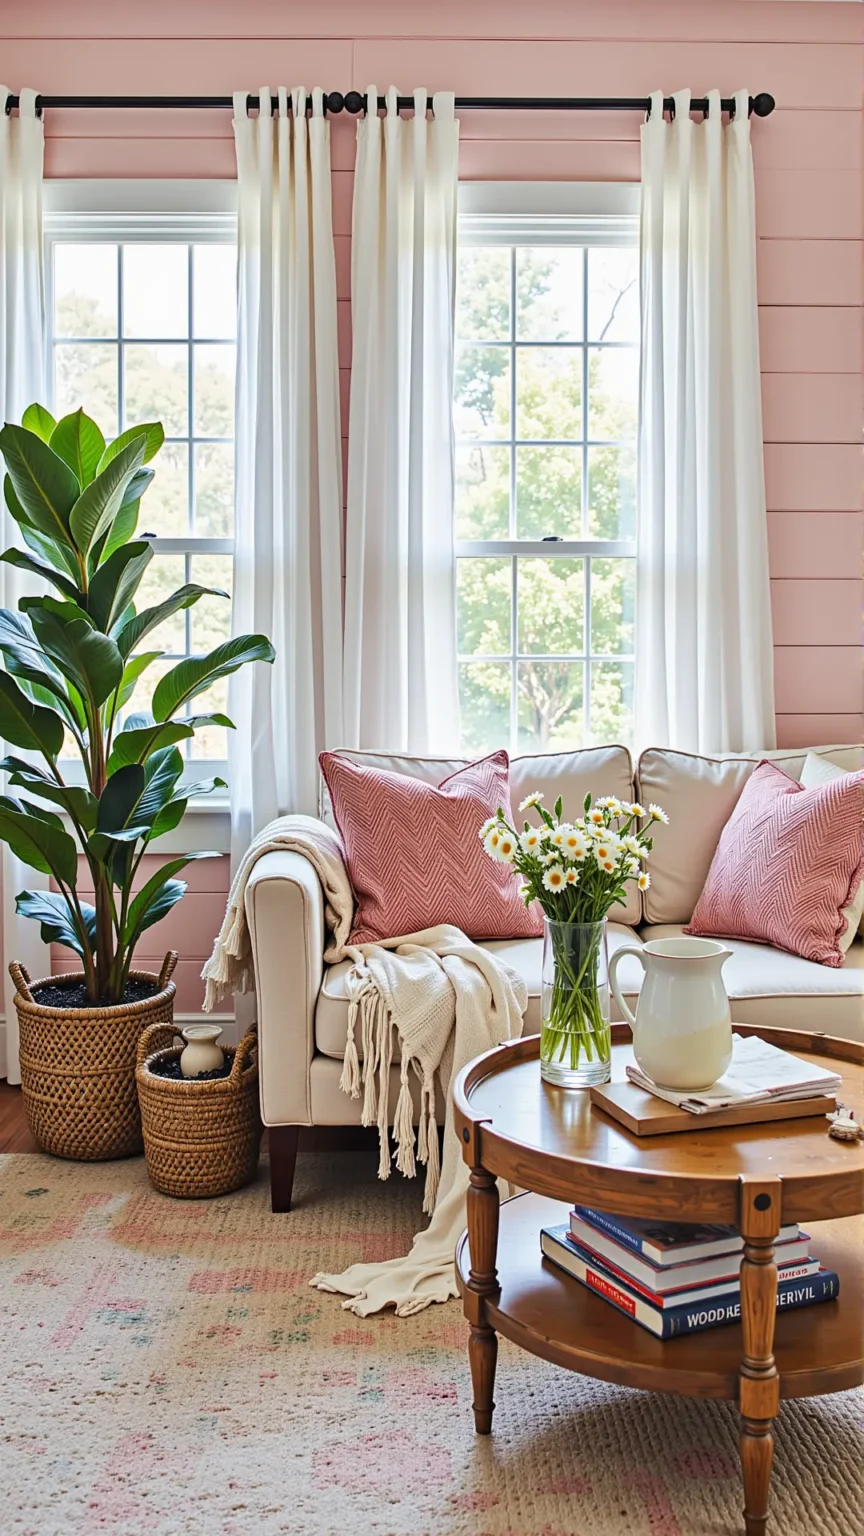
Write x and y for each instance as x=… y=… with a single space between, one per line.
x=354 y=102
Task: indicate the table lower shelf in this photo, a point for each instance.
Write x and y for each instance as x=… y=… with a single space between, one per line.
x=545 y=1311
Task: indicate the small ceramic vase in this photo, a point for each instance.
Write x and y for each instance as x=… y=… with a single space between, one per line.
x=202 y=1054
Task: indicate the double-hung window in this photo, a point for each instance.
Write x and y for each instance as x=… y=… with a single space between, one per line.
x=547 y=367
x=142 y=308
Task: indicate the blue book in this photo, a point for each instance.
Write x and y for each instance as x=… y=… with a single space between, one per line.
x=672 y=1242
x=672 y=1322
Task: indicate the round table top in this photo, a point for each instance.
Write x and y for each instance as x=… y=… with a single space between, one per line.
x=556 y=1142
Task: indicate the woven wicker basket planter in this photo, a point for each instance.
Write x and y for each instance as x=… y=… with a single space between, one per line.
x=200 y=1138
x=78 y=1066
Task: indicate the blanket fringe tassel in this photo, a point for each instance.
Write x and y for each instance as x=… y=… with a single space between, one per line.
x=373 y=1076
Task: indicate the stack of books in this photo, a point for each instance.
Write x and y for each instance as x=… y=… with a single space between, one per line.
x=675 y=1278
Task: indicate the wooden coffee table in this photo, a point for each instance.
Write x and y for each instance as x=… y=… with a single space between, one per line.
x=556 y=1143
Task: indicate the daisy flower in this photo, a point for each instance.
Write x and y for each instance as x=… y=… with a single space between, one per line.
x=636 y=809
x=596 y=818
x=531 y=841
x=554 y=878
x=657 y=813
x=614 y=805
x=604 y=852
x=491 y=841
x=487 y=827
x=644 y=880
x=506 y=850
x=557 y=838
x=571 y=877
x=632 y=844
x=575 y=843
x=608 y=865
x=632 y=866
x=531 y=800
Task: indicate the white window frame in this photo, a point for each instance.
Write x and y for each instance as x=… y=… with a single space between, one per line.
x=109 y=211
x=580 y=214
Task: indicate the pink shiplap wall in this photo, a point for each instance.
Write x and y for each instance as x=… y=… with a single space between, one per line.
x=809 y=188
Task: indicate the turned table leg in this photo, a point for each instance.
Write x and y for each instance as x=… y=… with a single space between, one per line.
x=759 y=1383
x=483 y=1209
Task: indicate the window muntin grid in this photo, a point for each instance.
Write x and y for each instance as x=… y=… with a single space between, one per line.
x=196 y=351
x=597 y=656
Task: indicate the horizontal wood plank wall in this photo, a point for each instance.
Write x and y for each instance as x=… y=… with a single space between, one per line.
x=809 y=167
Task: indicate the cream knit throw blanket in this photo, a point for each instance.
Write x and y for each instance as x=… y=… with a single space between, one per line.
x=447 y=999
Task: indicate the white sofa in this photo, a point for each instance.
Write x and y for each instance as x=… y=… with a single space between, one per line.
x=302 y=1004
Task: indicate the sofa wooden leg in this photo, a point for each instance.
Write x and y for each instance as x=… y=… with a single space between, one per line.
x=283 y=1140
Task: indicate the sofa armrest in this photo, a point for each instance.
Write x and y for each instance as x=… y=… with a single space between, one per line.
x=285 y=913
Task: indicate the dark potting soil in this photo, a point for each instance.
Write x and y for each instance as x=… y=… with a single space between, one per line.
x=75 y=996
x=170 y=1067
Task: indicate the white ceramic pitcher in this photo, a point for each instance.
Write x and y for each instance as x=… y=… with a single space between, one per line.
x=682 y=1029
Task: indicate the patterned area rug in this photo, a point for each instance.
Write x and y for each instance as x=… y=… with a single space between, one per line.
x=166 y=1369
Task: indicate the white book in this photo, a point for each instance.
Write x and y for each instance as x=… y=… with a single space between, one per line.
x=758 y=1073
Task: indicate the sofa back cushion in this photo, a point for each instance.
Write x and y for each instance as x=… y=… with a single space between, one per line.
x=788 y=861
x=572 y=775
x=414 y=856
x=699 y=795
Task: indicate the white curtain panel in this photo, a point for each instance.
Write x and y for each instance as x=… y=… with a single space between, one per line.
x=288 y=502
x=704 y=650
x=22 y=380
x=400 y=626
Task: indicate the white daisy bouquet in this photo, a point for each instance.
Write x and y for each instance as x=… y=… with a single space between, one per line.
x=577 y=870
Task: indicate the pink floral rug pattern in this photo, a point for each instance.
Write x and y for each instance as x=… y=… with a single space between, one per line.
x=167 y=1369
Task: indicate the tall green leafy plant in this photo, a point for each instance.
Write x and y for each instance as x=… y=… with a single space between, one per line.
x=72 y=660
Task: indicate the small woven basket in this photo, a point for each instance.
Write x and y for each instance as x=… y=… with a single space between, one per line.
x=78 y=1066
x=201 y=1137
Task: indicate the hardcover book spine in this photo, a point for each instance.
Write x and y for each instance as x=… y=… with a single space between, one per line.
x=610 y=1225
x=824 y=1286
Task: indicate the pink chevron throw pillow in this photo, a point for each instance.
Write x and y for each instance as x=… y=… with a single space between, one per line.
x=787 y=863
x=414 y=857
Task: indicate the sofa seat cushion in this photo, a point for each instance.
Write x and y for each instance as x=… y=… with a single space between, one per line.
x=768 y=986
x=522 y=955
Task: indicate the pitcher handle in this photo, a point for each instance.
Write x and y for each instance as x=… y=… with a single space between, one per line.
x=626 y=949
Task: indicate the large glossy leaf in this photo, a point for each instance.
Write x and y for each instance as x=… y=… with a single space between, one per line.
x=90 y=660
x=58 y=918
x=38 y=841
x=27 y=661
x=115 y=583
x=162 y=771
x=121 y=531
x=80 y=444
x=70 y=797
x=37 y=419
x=97 y=507
x=142 y=911
x=118 y=803
x=62 y=556
x=153 y=432
x=45 y=572
x=197 y=673
x=44 y=485
x=26 y=724
x=129 y=634
x=134 y=746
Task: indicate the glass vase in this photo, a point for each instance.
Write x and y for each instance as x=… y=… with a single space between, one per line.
x=575 y=1040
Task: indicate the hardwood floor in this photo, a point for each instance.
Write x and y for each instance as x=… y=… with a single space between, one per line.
x=15 y=1137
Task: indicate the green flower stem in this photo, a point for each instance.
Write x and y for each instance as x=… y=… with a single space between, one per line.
x=574 y=1025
